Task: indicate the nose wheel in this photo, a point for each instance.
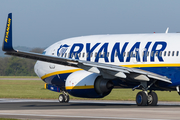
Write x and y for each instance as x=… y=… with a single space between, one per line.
x=63 y=98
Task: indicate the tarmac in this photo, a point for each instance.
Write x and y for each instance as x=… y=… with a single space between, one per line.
x=87 y=110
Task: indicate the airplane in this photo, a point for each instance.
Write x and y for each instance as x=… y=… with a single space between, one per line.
x=91 y=66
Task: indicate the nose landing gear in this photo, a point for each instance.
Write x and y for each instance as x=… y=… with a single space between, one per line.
x=63 y=98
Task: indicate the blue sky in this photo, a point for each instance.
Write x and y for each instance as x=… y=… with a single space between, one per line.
x=40 y=23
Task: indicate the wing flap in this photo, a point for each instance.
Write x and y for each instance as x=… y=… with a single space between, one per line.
x=112 y=70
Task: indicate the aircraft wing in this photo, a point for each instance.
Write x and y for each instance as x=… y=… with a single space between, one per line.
x=106 y=70
x=112 y=71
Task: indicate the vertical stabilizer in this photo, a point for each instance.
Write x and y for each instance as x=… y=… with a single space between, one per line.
x=7 y=42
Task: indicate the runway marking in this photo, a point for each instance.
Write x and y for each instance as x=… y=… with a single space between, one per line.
x=67 y=116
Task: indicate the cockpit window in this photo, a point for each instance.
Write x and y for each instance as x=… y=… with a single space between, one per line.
x=44 y=52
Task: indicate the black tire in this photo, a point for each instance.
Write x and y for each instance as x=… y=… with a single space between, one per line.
x=66 y=99
x=141 y=99
x=152 y=99
x=61 y=98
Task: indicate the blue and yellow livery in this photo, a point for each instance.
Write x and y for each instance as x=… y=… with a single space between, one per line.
x=91 y=66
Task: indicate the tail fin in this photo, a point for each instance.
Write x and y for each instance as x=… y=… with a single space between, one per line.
x=7 y=42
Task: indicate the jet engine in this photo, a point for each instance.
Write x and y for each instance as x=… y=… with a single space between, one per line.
x=88 y=85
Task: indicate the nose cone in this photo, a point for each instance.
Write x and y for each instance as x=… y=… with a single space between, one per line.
x=37 y=69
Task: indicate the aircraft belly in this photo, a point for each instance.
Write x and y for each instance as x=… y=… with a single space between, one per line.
x=57 y=80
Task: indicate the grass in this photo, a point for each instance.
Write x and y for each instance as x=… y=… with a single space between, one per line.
x=33 y=89
x=8 y=119
x=19 y=77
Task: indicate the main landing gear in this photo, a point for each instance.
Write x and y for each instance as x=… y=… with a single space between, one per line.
x=63 y=98
x=144 y=98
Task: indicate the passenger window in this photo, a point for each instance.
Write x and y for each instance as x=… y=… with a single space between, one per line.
x=156 y=53
x=116 y=53
x=152 y=53
x=173 y=53
x=103 y=54
x=107 y=54
x=99 y=54
x=143 y=53
x=160 y=54
x=91 y=54
x=79 y=55
x=147 y=53
x=124 y=54
x=71 y=55
x=131 y=54
x=76 y=55
x=65 y=55
x=169 y=53
x=164 y=53
x=135 y=54
x=83 y=54
x=128 y=54
x=177 y=53
x=95 y=54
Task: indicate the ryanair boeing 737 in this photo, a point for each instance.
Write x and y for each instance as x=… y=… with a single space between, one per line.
x=91 y=66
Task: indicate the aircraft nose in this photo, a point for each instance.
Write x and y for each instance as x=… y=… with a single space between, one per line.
x=36 y=69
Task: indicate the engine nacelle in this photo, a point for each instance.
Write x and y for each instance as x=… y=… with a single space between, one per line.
x=88 y=85
x=103 y=86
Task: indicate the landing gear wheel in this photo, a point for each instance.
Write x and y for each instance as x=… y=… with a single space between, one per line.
x=141 y=99
x=152 y=99
x=61 y=98
x=66 y=99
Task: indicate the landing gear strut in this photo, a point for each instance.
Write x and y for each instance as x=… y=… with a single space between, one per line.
x=63 y=98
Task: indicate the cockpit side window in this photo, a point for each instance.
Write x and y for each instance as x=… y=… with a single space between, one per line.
x=44 y=52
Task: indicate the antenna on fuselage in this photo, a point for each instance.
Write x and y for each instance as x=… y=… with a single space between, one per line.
x=167 y=30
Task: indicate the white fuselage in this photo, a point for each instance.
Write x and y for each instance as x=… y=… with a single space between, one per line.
x=129 y=50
